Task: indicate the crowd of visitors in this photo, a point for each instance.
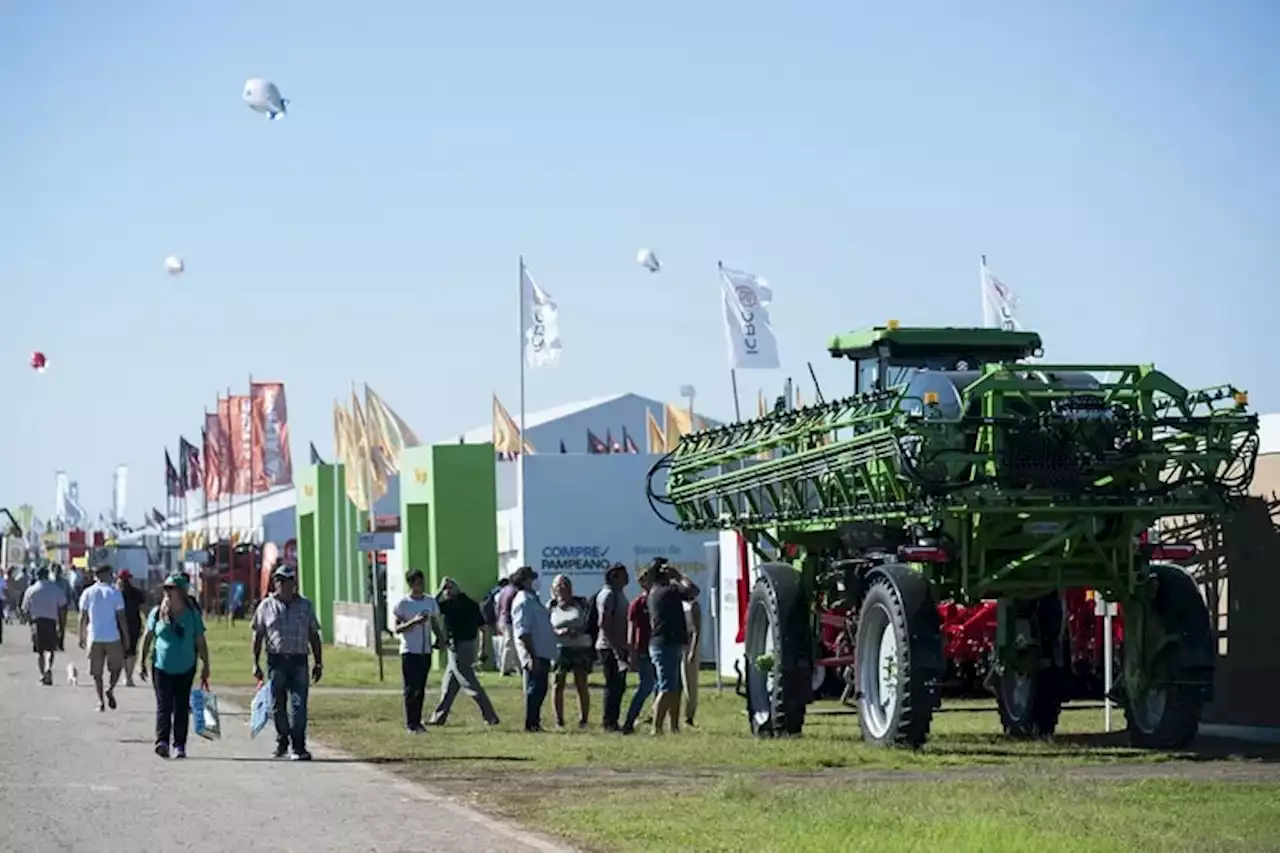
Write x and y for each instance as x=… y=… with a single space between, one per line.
x=552 y=645
x=558 y=643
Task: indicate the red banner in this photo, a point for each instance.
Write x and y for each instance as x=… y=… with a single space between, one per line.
x=214 y=456
x=272 y=462
x=240 y=435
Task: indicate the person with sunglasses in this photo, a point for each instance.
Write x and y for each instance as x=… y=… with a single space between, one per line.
x=175 y=632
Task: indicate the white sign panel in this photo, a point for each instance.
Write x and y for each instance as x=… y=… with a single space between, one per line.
x=586 y=512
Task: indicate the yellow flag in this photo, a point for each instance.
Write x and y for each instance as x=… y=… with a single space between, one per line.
x=388 y=431
x=370 y=456
x=656 y=439
x=347 y=451
x=506 y=435
x=678 y=422
x=340 y=433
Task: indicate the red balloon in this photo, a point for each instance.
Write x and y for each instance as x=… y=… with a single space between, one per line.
x=38 y=361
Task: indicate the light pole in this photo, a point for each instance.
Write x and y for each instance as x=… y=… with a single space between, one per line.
x=688 y=392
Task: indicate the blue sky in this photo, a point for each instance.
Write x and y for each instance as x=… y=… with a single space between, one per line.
x=1117 y=163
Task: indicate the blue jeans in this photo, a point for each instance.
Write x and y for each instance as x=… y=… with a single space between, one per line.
x=290 y=682
x=668 y=661
x=535 y=692
x=644 y=689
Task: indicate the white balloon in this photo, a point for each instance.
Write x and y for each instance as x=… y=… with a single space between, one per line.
x=262 y=96
x=174 y=265
x=647 y=259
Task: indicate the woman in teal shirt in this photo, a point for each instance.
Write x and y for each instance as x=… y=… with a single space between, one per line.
x=176 y=630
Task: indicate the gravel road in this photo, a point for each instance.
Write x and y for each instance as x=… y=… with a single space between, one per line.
x=77 y=780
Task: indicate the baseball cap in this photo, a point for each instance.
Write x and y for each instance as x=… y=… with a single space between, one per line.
x=125 y=575
x=178 y=581
x=284 y=571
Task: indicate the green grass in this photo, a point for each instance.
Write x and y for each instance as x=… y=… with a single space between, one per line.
x=715 y=788
x=997 y=816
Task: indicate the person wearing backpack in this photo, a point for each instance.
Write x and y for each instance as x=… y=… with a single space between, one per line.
x=570 y=621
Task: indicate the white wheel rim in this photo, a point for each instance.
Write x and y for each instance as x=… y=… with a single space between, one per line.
x=761 y=685
x=878 y=675
x=888 y=672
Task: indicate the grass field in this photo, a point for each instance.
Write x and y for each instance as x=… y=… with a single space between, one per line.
x=714 y=788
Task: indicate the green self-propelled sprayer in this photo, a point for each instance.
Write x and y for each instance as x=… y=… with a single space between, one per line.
x=961 y=468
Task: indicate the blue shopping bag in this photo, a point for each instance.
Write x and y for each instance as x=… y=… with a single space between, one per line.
x=204 y=714
x=197 y=711
x=260 y=712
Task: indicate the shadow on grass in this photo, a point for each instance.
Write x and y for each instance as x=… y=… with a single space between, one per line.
x=375 y=760
x=1203 y=749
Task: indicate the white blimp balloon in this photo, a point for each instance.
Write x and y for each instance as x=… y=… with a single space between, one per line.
x=647 y=259
x=262 y=96
x=174 y=265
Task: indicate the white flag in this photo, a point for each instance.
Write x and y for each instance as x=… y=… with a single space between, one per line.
x=119 y=493
x=999 y=303
x=752 y=345
x=540 y=323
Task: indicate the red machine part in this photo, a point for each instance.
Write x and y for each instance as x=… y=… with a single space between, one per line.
x=969 y=631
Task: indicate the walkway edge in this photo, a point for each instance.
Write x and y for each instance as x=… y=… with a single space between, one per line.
x=418 y=791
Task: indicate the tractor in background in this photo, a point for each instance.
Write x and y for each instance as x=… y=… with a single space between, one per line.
x=962 y=469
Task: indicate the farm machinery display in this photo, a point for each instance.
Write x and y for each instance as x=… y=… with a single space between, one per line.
x=960 y=472
x=968 y=646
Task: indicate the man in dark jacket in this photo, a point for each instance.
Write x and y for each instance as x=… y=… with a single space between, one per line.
x=463 y=622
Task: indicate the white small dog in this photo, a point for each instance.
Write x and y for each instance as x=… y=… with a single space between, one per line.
x=73 y=676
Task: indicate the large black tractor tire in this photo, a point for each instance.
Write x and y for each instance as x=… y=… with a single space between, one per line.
x=897 y=658
x=1030 y=705
x=778 y=627
x=1167 y=716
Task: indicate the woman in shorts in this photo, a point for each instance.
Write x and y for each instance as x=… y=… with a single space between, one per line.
x=570 y=619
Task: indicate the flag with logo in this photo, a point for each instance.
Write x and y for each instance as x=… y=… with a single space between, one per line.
x=540 y=322
x=273 y=461
x=752 y=344
x=628 y=443
x=506 y=435
x=999 y=302
x=390 y=434
x=226 y=446
x=214 y=479
x=172 y=482
x=655 y=438
x=240 y=434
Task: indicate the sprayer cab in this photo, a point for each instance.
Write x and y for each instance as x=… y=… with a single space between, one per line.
x=882 y=353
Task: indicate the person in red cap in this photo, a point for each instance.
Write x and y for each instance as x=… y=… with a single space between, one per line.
x=134 y=601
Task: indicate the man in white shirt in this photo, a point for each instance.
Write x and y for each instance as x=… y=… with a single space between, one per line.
x=536 y=644
x=102 y=628
x=44 y=604
x=417 y=618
